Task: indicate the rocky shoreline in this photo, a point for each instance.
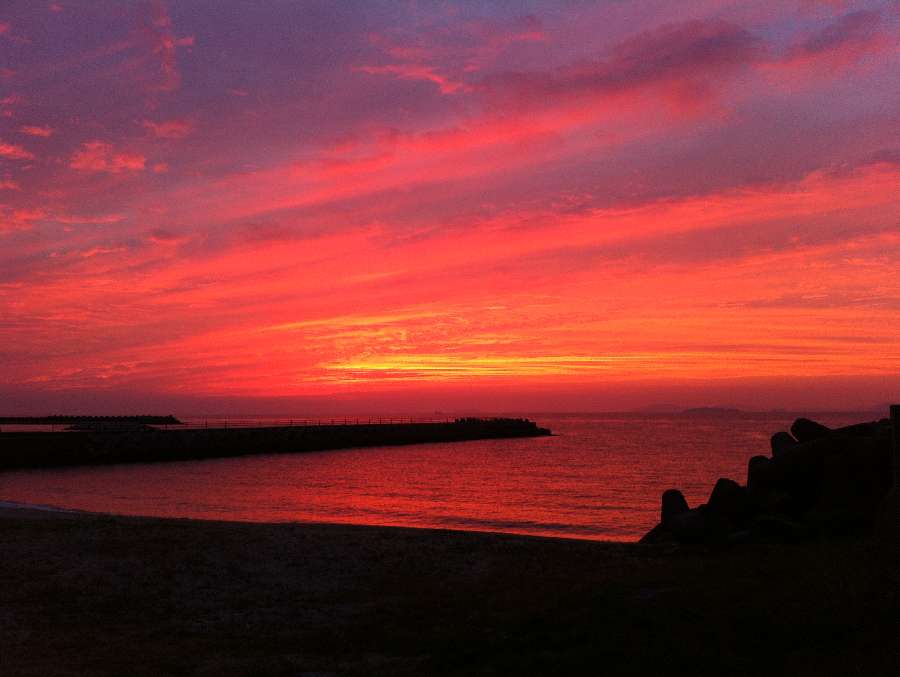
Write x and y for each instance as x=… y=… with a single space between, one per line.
x=818 y=483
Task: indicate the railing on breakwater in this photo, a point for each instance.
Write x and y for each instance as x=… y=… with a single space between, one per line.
x=110 y=424
x=228 y=422
x=232 y=422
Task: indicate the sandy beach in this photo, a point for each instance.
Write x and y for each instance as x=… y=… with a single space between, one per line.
x=100 y=595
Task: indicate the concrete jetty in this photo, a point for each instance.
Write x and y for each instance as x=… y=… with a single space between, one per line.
x=147 y=444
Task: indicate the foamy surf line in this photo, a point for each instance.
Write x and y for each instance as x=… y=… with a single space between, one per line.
x=35 y=506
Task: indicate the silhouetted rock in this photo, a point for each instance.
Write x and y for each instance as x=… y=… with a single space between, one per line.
x=799 y=471
x=699 y=526
x=823 y=484
x=742 y=536
x=658 y=535
x=673 y=504
x=759 y=474
x=695 y=526
x=805 y=430
x=776 y=529
x=869 y=429
x=729 y=501
x=782 y=442
x=855 y=481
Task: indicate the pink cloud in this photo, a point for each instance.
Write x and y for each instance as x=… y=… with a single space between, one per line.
x=842 y=42
x=11 y=151
x=496 y=36
x=164 y=45
x=160 y=168
x=8 y=104
x=36 y=130
x=447 y=53
x=98 y=251
x=12 y=220
x=9 y=184
x=685 y=61
x=169 y=129
x=417 y=72
x=99 y=156
x=852 y=41
x=73 y=219
x=163 y=236
x=446 y=56
x=6 y=32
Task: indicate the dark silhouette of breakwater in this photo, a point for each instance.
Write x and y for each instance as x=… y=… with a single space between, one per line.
x=92 y=446
x=73 y=420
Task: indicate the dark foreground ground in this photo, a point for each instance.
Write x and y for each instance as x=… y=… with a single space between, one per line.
x=124 y=596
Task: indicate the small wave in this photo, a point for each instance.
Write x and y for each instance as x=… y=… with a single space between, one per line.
x=34 y=506
x=528 y=526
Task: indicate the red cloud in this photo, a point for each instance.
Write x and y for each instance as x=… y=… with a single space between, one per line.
x=98 y=156
x=97 y=251
x=417 y=72
x=18 y=219
x=169 y=129
x=36 y=130
x=6 y=32
x=446 y=55
x=11 y=151
x=164 y=46
x=73 y=219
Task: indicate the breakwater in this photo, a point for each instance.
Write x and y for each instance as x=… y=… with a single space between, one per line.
x=147 y=444
x=89 y=420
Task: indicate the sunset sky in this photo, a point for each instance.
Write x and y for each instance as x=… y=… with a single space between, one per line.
x=303 y=206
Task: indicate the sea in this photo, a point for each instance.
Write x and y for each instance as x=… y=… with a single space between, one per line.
x=600 y=477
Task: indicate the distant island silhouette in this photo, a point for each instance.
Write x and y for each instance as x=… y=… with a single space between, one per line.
x=722 y=412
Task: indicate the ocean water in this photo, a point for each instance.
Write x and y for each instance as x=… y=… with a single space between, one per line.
x=599 y=477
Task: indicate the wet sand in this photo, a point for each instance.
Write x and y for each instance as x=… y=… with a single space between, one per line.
x=99 y=595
